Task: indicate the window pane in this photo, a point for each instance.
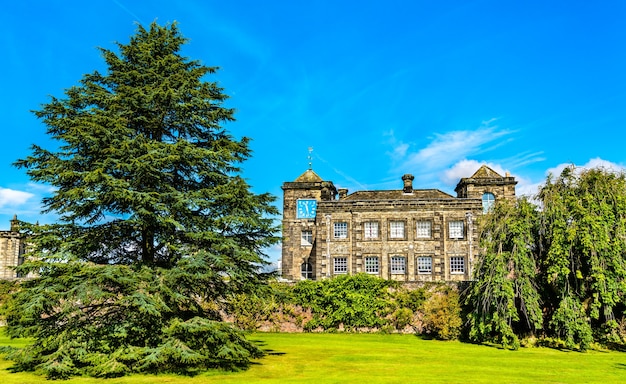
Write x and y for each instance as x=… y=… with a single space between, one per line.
x=424 y=229
x=340 y=265
x=488 y=201
x=370 y=229
x=396 y=229
x=457 y=265
x=371 y=264
x=424 y=264
x=340 y=230
x=456 y=229
x=398 y=264
x=306 y=270
x=306 y=238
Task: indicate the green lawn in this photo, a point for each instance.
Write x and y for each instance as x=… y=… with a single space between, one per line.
x=376 y=358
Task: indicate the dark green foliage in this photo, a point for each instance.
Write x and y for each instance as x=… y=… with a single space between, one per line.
x=584 y=256
x=157 y=231
x=504 y=300
x=571 y=324
x=358 y=301
x=362 y=302
x=561 y=268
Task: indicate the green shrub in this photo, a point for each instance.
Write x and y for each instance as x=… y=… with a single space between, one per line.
x=442 y=314
x=350 y=301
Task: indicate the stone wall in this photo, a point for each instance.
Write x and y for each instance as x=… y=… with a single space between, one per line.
x=11 y=251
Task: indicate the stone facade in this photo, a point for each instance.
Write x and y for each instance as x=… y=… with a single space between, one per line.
x=11 y=251
x=410 y=235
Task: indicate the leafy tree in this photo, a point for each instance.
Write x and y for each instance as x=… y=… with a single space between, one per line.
x=584 y=252
x=157 y=230
x=504 y=297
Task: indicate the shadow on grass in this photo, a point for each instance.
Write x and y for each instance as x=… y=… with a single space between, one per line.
x=616 y=347
x=270 y=352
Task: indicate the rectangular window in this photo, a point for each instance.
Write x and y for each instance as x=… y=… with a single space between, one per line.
x=398 y=264
x=456 y=229
x=457 y=265
x=424 y=229
x=340 y=265
x=396 y=229
x=370 y=229
x=306 y=237
x=424 y=264
x=371 y=264
x=340 y=230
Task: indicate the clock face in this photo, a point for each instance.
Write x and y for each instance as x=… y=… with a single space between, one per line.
x=306 y=208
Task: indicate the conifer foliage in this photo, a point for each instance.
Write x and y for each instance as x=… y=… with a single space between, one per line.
x=156 y=230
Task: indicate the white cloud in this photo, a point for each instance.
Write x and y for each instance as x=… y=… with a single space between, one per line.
x=12 y=197
x=466 y=168
x=592 y=163
x=447 y=148
x=529 y=188
x=526 y=187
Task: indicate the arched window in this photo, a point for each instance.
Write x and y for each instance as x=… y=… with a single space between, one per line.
x=488 y=201
x=306 y=270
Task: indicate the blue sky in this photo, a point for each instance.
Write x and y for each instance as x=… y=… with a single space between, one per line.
x=377 y=89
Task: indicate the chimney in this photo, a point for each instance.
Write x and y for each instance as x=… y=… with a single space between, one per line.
x=15 y=224
x=343 y=192
x=408 y=183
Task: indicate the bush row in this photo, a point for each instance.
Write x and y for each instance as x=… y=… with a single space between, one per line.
x=356 y=303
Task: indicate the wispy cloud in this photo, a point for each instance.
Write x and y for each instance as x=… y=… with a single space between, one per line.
x=445 y=156
x=125 y=9
x=25 y=202
x=352 y=182
x=525 y=158
x=448 y=148
x=13 y=198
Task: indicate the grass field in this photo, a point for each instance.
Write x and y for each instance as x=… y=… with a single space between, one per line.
x=377 y=358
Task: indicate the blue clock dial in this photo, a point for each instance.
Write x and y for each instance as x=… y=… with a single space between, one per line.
x=306 y=208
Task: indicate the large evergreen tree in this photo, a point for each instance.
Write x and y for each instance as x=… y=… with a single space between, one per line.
x=156 y=229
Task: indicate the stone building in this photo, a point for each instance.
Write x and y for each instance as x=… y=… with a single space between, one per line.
x=11 y=251
x=411 y=235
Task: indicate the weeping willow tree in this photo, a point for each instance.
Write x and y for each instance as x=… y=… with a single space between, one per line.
x=583 y=229
x=504 y=298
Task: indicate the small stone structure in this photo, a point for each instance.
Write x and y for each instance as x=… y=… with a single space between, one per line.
x=409 y=235
x=12 y=247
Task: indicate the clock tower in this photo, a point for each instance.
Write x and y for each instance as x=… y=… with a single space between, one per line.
x=300 y=199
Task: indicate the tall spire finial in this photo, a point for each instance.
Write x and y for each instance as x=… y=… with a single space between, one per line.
x=310 y=157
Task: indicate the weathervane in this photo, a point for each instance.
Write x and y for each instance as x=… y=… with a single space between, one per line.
x=310 y=157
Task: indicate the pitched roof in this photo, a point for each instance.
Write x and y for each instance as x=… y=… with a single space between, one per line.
x=484 y=172
x=398 y=195
x=308 y=177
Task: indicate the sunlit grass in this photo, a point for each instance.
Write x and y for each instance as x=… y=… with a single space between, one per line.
x=377 y=358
